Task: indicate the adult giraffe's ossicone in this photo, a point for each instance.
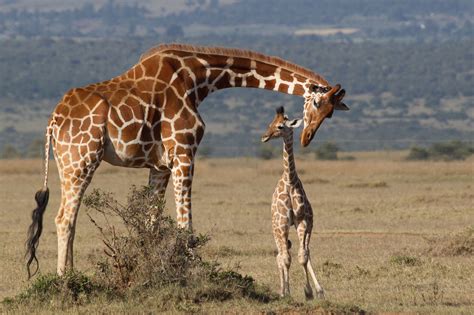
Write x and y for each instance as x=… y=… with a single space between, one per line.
x=148 y=117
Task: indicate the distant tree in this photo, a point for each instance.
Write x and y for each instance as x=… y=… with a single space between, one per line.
x=327 y=151
x=9 y=152
x=448 y=151
x=417 y=153
x=453 y=150
x=265 y=151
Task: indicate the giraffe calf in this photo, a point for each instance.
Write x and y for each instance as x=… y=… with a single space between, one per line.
x=290 y=206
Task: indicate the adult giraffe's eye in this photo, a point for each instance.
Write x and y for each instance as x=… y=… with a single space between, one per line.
x=280 y=127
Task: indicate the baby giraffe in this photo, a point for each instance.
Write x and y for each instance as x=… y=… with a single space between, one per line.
x=290 y=206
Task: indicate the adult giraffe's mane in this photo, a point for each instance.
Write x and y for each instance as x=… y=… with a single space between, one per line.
x=235 y=52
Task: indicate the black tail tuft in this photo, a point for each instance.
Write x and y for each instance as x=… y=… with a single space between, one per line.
x=288 y=243
x=35 y=229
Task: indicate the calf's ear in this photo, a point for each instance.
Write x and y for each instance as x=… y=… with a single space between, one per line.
x=295 y=123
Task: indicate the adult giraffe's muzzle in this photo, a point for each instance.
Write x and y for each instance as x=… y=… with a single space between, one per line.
x=308 y=133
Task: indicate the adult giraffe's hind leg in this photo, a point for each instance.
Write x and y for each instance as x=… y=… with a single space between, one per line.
x=79 y=148
x=73 y=186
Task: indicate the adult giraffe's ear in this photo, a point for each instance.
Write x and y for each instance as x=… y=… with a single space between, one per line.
x=295 y=123
x=341 y=106
x=338 y=100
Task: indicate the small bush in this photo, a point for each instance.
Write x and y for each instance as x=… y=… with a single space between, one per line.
x=417 y=153
x=152 y=251
x=155 y=253
x=327 y=151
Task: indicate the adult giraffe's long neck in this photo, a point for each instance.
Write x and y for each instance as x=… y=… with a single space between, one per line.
x=204 y=70
x=221 y=72
x=289 y=168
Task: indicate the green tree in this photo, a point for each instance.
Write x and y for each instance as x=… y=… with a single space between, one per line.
x=453 y=150
x=327 y=151
x=417 y=153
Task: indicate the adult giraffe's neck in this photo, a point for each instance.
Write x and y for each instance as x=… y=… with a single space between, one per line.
x=221 y=72
x=204 y=70
x=289 y=168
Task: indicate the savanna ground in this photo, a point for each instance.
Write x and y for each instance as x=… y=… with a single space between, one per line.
x=389 y=235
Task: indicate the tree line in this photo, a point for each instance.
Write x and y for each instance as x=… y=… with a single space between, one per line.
x=46 y=68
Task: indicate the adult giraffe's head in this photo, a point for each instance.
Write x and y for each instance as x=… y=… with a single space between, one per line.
x=280 y=126
x=320 y=103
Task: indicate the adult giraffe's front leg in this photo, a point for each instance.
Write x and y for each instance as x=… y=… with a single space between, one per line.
x=183 y=170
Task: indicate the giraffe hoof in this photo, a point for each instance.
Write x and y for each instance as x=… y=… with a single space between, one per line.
x=320 y=294
x=192 y=241
x=308 y=293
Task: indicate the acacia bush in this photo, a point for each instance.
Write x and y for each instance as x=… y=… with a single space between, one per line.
x=152 y=252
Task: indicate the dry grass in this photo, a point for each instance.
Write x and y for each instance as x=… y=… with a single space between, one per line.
x=454 y=244
x=371 y=246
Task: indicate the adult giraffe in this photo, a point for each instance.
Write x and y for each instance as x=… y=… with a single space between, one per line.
x=148 y=117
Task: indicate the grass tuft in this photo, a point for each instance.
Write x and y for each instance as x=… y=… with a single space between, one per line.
x=380 y=184
x=405 y=260
x=73 y=288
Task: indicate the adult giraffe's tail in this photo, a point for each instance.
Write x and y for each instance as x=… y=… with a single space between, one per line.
x=41 y=197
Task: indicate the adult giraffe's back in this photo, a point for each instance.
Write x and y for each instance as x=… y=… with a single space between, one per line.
x=148 y=117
